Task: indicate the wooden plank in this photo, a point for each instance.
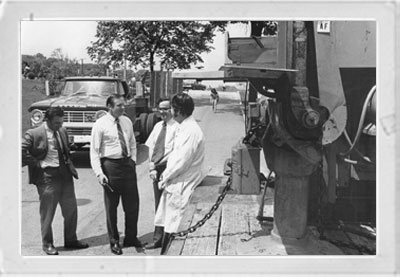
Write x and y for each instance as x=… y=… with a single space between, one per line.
x=254 y=225
x=238 y=198
x=204 y=240
x=234 y=228
x=234 y=219
x=178 y=243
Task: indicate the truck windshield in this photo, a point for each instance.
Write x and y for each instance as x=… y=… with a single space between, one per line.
x=90 y=87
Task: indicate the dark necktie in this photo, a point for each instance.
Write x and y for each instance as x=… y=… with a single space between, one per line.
x=121 y=139
x=61 y=159
x=159 y=148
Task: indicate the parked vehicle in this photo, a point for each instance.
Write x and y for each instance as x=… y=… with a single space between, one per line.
x=84 y=101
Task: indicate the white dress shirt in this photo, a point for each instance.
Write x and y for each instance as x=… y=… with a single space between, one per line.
x=51 y=159
x=169 y=140
x=105 y=141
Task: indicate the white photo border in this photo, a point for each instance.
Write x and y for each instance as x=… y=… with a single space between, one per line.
x=385 y=13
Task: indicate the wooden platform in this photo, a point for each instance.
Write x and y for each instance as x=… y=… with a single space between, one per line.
x=228 y=232
x=234 y=230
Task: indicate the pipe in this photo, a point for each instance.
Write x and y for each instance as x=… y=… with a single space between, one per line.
x=361 y=123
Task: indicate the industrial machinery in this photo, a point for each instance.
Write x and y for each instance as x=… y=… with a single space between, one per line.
x=311 y=105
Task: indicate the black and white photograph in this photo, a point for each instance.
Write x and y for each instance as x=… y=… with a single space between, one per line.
x=264 y=142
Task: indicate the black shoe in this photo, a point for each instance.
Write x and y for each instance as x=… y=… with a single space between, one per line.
x=115 y=248
x=76 y=245
x=154 y=245
x=135 y=243
x=50 y=249
x=165 y=243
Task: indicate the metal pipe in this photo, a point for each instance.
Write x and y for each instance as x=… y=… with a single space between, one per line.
x=361 y=123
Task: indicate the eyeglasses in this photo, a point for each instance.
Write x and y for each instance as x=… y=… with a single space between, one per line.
x=164 y=109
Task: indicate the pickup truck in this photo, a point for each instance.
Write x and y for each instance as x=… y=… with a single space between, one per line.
x=84 y=101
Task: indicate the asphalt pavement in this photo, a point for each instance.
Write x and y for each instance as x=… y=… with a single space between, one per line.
x=222 y=130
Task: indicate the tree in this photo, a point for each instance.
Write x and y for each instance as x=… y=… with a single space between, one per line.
x=266 y=28
x=177 y=44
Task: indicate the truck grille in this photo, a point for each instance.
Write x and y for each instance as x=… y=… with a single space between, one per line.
x=79 y=131
x=79 y=116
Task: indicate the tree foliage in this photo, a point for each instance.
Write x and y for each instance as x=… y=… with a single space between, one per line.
x=176 y=44
x=57 y=66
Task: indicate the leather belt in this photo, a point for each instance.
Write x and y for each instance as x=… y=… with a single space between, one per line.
x=51 y=167
x=116 y=160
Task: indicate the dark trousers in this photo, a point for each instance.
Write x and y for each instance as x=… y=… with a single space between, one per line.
x=158 y=230
x=121 y=175
x=57 y=187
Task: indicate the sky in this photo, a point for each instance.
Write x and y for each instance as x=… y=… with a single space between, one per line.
x=74 y=36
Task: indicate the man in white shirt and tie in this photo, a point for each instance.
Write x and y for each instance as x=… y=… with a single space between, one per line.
x=113 y=159
x=185 y=168
x=160 y=143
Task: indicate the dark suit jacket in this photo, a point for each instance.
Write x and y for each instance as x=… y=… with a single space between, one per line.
x=35 y=147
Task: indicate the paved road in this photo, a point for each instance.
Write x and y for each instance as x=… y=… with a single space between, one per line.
x=222 y=130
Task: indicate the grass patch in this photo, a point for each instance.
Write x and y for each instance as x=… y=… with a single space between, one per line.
x=32 y=91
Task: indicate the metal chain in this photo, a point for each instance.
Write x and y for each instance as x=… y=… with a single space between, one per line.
x=208 y=215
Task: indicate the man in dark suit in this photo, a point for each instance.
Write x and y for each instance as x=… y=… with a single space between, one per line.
x=46 y=152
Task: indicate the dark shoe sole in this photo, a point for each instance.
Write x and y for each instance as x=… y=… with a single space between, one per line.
x=116 y=252
x=51 y=253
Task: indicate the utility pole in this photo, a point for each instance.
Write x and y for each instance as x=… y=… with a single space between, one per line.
x=82 y=67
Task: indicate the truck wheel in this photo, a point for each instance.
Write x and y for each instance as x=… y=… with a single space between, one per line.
x=151 y=121
x=143 y=127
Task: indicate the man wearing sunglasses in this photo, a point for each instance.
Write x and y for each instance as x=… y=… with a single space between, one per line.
x=160 y=143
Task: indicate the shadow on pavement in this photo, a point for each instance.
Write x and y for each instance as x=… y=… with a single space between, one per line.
x=95 y=240
x=142 y=154
x=82 y=201
x=104 y=240
x=212 y=180
x=146 y=237
x=208 y=190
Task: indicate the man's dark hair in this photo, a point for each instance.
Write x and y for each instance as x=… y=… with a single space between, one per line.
x=52 y=112
x=183 y=104
x=111 y=99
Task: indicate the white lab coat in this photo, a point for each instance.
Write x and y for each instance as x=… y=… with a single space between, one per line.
x=185 y=170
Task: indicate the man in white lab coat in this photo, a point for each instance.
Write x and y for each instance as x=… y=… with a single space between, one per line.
x=185 y=168
x=160 y=143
